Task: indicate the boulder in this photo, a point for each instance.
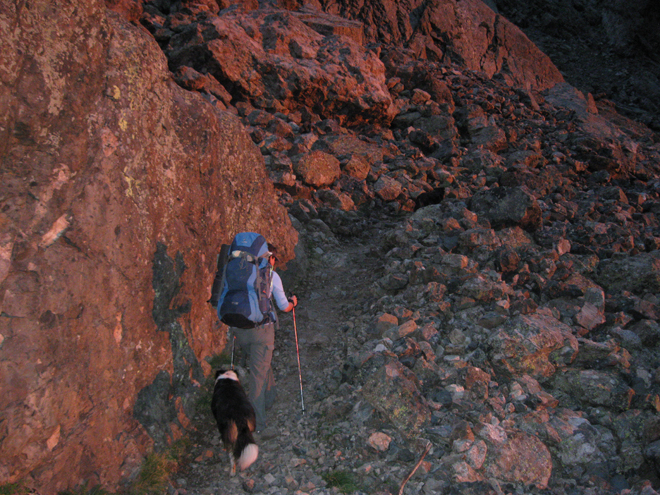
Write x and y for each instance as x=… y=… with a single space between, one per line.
x=630 y=428
x=393 y=390
x=577 y=445
x=476 y=381
x=481 y=159
x=508 y=207
x=400 y=331
x=536 y=344
x=639 y=273
x=595 y=388
x=515 y=456
x=385 y=322
x=483 y=289
x=648 y=332
x=358 y=167
x=478 y=240
x=350 y=145
x=317 y=169
x=490 y=138
x=387 y=189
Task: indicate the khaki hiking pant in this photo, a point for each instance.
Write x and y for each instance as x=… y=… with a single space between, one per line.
x=258 y=343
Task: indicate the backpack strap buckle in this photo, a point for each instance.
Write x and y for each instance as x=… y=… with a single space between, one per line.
x=244 y=255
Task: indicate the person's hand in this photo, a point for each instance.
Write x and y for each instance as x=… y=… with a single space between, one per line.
x=293 y=300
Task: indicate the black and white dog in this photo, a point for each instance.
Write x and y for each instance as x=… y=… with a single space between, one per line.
x=236 y=420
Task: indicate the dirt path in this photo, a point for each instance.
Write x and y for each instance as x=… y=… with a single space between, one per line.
x=294 y=458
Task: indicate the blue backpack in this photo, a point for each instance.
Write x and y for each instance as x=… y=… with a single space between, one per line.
x=244 y=298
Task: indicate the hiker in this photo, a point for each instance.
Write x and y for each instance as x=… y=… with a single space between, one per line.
x=258 y=343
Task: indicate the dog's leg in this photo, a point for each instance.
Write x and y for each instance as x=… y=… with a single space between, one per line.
x=232 y=463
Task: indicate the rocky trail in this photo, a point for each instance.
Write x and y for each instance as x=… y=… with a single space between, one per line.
x=297 y=449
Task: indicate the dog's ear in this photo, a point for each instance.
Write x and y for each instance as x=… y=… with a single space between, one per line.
x=218 y=373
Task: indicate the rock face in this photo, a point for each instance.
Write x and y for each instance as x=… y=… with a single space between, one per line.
x=118 y=188
x=467 y=33
x=290 y=65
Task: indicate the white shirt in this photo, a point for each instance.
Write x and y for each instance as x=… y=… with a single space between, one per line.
x=277 y=291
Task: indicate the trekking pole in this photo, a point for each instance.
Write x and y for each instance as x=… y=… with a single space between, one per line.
x=233 y=343
x=295 y=331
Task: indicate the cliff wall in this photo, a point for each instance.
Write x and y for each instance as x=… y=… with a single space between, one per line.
x=117 y=189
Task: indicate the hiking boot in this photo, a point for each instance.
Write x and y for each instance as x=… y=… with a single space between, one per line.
x=265 y=434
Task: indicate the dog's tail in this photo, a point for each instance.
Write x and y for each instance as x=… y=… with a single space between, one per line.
x=245 y=449
x=248 y=456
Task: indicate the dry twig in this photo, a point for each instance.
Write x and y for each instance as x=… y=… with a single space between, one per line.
x=419 y=463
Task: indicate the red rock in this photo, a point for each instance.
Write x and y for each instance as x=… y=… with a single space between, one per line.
x=120 y=223
x=519 y=458
x=476 y=381
x=239 y=49
x=393 y=391
x=358 y=167
x=130 y=9
x=317 y=169
x=524 y=345
x=387 y=188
